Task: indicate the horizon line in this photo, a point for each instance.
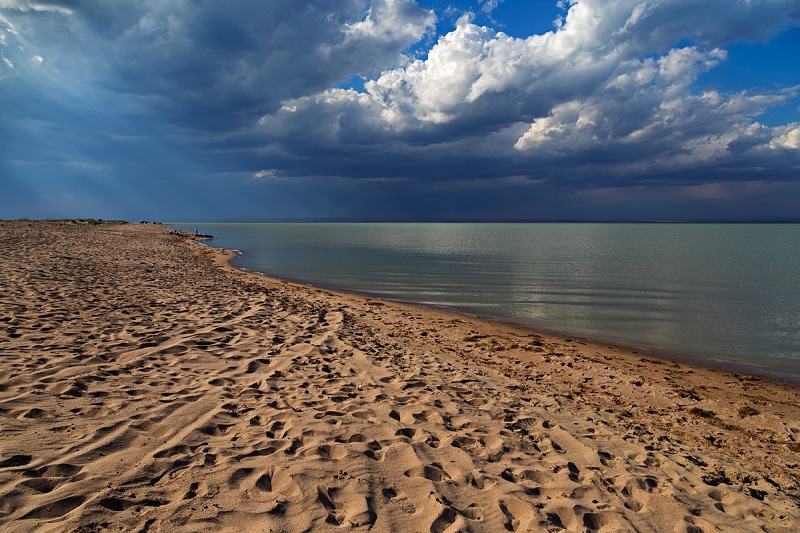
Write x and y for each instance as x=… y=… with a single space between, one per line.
x=304 y=220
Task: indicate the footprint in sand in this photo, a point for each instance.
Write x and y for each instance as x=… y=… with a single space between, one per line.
x=55 y=509
x=605 y=521
x=346 y=506
x=473 y=512
x=406 y=432
x=433 y=472
x=16 y=460
x=403 y=416
x=60 y=470
x=520 y=475
x=400 y=499
x=277 y=429
x=294 y=448
x=173 y=451
x=579 y=517
x=274 y=483
x=693 y=524
x=374 y=450
x=43 y=485
x=607 y=459
x=357 y=437
x=448 y=521
x=638 y=490
x=214 y=430
x=480 y=480
x=517 y=514
x=257 y=451
x=238 y=476
x=118 y=504
x=562 y=518
x=192 y=492
x=255 y=364
x=331 y=451
x=545 y=445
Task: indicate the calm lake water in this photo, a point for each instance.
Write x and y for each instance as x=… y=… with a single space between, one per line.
x=719 y=293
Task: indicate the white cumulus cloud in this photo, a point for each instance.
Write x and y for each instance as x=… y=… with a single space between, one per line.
x=610 y=85
x=787 y=137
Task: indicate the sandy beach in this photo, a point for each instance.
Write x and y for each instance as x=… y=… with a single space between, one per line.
x=147 y=385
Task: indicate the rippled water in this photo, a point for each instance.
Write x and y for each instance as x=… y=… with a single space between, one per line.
x=717 y=292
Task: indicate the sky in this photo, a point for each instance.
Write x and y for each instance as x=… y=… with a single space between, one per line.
x=200 y=110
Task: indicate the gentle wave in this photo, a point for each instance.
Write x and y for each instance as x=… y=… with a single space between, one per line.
x=718 y=292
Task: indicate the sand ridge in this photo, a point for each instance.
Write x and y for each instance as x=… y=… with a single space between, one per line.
x=145 y=385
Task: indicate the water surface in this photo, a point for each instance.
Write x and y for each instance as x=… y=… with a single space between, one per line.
x=718 y=292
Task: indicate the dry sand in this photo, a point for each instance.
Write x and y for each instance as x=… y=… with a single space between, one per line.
x=147 y=386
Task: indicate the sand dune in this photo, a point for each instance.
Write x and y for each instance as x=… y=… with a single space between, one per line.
x=147 y=386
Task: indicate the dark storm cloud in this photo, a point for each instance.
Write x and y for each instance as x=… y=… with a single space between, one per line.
x=240 y=98
x=215 y=64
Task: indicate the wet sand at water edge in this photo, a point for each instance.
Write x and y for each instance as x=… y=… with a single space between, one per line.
x=146 y=385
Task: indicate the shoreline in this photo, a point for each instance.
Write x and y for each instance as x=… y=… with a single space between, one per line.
x=150 y=384
x=695 y=360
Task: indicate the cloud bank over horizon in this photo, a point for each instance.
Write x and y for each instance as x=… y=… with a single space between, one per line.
x=397 y=109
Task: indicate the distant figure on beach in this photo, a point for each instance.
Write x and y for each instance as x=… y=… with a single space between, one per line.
x=195 y=232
